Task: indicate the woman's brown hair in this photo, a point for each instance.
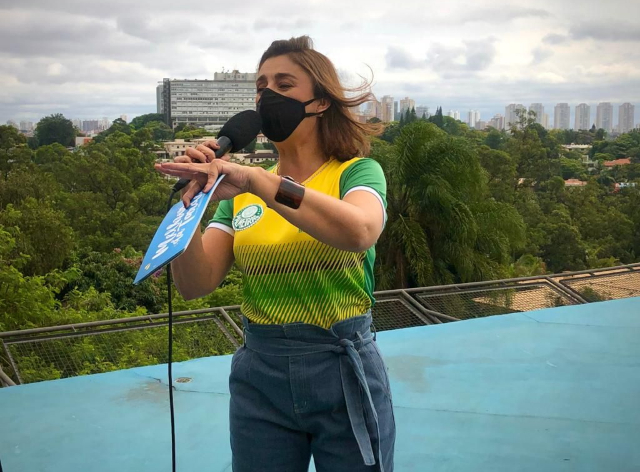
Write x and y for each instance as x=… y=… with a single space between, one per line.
x=341 y=136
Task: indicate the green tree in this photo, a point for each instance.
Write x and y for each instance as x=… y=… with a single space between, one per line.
x=495 y=138
x=391 y=131
x=562 y=248
x=12 y=148
x=44 y=235
x=118 y=126
x=55 y=129
x=572 y=169
x=441 y=226
x=437 y=119
x=501 y=173
x=159 y=131
x=139 y=122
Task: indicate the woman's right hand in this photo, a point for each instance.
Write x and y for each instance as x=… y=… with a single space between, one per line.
x=202 y=153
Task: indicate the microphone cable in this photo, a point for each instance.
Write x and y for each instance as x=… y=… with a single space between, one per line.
x=170 y=361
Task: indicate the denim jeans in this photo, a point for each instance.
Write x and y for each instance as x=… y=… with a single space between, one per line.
x=299 y=390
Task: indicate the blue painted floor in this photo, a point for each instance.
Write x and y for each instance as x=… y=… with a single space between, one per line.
x=550 y=390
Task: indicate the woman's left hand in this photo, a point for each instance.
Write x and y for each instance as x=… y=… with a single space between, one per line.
x=238 y=178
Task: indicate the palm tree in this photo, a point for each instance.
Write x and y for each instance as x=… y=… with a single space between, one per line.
x=442 y=225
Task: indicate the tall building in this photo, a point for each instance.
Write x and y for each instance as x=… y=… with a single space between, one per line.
x=90 y=125
x=497 y=121
x=545 y=121
x=373 y=109
x=422 y=111
x=123 y=118
x=510 y=115
x=562 y=116
x=387 y=108
x=159 y=99
x=456 y=115
x=538 y=109
x=13 y=123
x=396 y=111
x=206 y=102
x=473 y=116
x=604 y=116
x=26 y=126
x=583 y=117
x=626 y=119
x=406 y=104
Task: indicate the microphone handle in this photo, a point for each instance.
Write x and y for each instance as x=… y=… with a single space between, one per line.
x=225 y=146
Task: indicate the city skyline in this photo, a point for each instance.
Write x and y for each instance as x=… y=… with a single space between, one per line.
x=94 y=60
x=624 y=111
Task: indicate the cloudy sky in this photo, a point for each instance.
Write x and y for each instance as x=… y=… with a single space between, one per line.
x=93 y=59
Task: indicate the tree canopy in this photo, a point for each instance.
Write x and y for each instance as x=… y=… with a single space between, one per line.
x=55 y=129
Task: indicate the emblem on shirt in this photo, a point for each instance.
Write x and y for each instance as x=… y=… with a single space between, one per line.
x=247 y=217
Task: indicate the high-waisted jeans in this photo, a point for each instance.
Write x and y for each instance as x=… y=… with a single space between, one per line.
x=299 y=390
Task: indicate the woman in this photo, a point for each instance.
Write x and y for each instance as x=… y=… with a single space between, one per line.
x=309 y=379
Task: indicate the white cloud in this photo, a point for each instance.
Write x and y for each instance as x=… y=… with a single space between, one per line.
x=105 y=58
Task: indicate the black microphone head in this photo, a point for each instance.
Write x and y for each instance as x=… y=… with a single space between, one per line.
x=241 y=129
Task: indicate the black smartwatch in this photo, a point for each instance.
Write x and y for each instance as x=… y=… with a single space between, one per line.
x=290 y=192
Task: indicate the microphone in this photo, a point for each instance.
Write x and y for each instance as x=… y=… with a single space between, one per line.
x=236 y=133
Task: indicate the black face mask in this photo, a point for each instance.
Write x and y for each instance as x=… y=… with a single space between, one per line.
x=281 y=115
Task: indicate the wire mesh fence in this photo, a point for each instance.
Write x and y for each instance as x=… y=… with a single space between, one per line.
x=391 y=312
x=82 y=349
x=605 y=285
x=493 y=300
x=66 y=351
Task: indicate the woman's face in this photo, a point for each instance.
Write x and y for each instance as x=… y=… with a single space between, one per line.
x=282 y=75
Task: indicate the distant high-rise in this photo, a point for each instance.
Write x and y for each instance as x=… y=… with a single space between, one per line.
x=545 y=121
x=123 y=118
x=456 y=115
x=422 y=111
x=207 y=103
x=373 y=109
x=90 y=125
x=626 y=119
x=583 y=117
x=497 y=122
x=538 y=109
x=26 y=126
x=406 y=104
x=473 y=116
x=604 y=116
x=13 y=123
x=159 y=99
x=562 y=116
x=396 y=111
x=510 y=116
x=387 y=108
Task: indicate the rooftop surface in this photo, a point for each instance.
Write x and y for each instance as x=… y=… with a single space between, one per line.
x=549 y=390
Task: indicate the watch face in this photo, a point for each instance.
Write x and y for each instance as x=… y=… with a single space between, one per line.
x=290 y=192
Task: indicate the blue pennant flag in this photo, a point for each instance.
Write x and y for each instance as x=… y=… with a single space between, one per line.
x=174 y=234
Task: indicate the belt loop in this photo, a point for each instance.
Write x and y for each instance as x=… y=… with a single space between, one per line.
x=244 y=330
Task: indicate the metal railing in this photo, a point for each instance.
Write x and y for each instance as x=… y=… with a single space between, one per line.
x=101 y=346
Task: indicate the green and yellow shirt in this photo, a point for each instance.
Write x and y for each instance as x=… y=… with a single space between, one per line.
x=288 y=276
